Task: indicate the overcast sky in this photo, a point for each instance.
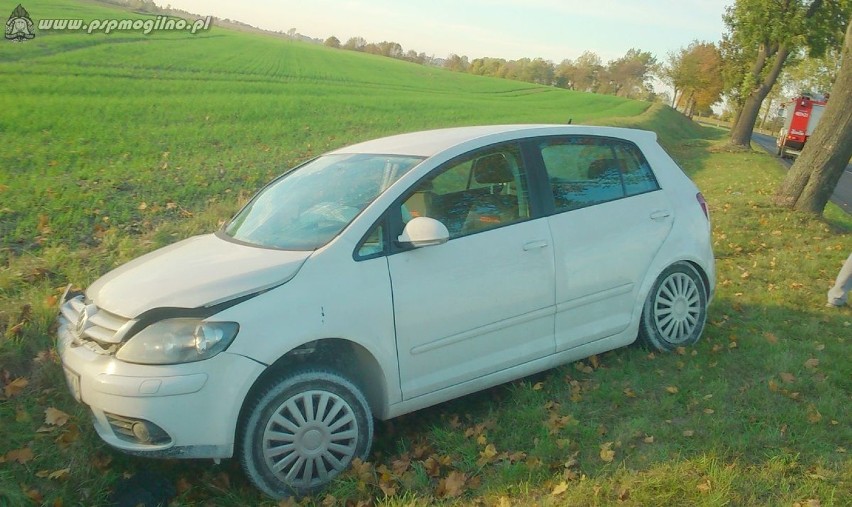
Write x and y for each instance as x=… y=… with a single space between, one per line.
x=511 y=29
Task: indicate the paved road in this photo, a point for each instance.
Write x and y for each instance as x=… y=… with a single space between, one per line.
x=842 y=195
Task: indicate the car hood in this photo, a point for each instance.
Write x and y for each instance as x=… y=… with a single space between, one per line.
x=199 y=271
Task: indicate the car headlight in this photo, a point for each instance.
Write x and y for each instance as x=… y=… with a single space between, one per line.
x=181 y=340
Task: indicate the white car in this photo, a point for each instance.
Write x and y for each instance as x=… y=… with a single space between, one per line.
x=383 y=278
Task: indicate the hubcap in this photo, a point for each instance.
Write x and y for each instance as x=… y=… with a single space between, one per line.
x=310 y=438
x=677 y=307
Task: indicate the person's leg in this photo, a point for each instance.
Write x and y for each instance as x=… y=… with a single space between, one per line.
x=838 y=294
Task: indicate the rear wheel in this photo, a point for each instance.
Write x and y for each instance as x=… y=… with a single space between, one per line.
x=303 y=431
x=676 y=309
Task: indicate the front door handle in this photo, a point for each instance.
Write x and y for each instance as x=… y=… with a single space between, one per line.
x=534 y=245
x=660 y=214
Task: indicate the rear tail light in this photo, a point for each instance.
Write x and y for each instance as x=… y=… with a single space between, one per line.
x=703 y=204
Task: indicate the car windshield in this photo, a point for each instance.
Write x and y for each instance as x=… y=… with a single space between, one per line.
x=308 y=206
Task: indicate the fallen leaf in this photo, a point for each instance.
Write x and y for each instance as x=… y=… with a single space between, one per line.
x=503 y=502
x=773 y=386
x=813 y=415
x=22 y=415
x=400 y=466
x=15 y=387
x=672 y=389
x=789 y=378
x=20 y=455
x=487 y=455
x=68 y=436
x=581 y=366
x=649 y=439
x=517 y=456
x=555 y=423
x=629 y=392
x=33 y=494
x=595 y=361
x=432 y=466
x=607 y=454
x=708 y=411
x=771 y=338
x=60 y=474
x=704 y=487
x=55 y=417
x=452 y=486
x=688 y=433
x=538 y=386
x=812 y=363
x=560 y=488
x=102 y=462
x=43 y=224
x=810 y=502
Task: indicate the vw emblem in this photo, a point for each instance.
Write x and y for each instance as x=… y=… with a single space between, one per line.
x=83 y=320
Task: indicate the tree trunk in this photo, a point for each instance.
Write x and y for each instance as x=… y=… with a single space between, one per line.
x=741 y=131
x=767 y=111
x=743 y=128
x=813 y=177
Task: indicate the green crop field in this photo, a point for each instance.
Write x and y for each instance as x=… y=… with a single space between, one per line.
x=95 y=125
x=113 y=145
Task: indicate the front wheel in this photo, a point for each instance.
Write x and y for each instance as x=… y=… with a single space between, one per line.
x=303 y=431
x=676 y=309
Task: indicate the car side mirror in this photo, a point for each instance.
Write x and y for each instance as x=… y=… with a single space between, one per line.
x=424 y=231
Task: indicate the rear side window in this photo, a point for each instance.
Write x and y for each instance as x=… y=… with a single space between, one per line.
x=586 y=170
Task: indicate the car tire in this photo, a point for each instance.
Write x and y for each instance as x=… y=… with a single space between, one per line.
x=302 y=431
x=676 y=309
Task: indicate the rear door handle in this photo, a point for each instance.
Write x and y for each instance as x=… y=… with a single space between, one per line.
x=660 y=214
x=533 y=245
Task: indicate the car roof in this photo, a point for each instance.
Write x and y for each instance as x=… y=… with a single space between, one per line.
x=431 y=142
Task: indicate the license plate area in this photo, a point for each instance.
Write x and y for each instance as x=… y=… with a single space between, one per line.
x=73 y=381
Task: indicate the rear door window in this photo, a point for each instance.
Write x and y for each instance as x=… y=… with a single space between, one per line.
x=586 y=170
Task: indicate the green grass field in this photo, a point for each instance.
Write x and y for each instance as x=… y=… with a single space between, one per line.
x=111 y=146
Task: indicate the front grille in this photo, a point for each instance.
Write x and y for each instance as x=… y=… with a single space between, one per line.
x=92 y=325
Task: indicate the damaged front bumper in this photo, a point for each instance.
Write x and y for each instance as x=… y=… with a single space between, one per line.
x=178 y=411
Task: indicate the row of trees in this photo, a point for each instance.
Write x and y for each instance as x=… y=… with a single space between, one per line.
x=629 y=76
x=384 y=48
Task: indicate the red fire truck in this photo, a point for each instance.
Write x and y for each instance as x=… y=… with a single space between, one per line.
x=801 y=117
